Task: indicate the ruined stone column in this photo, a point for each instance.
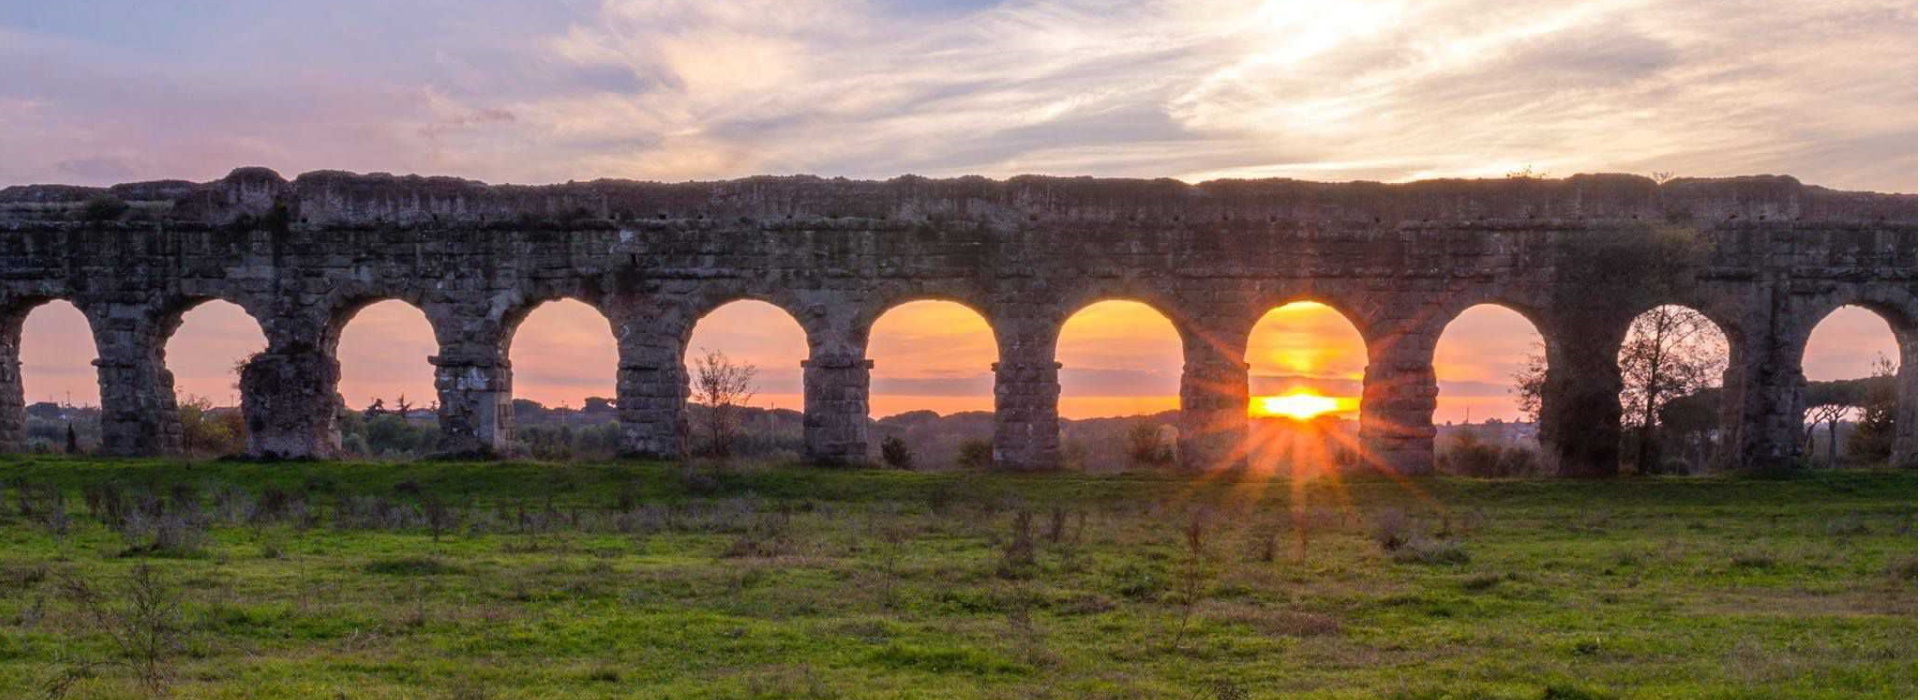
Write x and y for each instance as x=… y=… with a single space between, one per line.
x=836 y=407
x=476 y=398
x=1397 y=397
x=138 y=416
x=652 y=387
x=1904 y=412
x=13 y=397
x=1026 y=406
x=1580 y=400
x=1213 y=401
x=1761 y=418
x=289 y=398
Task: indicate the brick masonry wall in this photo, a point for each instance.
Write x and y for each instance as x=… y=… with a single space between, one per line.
x=1765 y=257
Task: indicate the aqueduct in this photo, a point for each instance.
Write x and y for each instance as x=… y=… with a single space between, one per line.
x=1765 y=257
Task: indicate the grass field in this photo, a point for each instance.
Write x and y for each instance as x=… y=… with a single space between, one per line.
x=504 y=580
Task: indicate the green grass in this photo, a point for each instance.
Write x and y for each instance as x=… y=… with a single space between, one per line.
x=638 y=580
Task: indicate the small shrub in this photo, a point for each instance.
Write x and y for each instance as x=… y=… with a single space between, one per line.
x=1903 y=567
x=943 y=660
x=770 y=535
x=1569 y=692
x=894 y=453
x=409 y=566
x=1016 y=555
x=1223 y=689
x=975 y=454
x=1481 y=582
x=1424 y=550
x=1847 y=526
x=1392 y=529
x=1147 y=447
x=142 y=618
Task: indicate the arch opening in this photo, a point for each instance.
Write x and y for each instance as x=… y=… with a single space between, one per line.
x=205 y=352
x=1490 y=364
x=1673 y=363
x=744 y=378
x=1120 y=364
x=931 y=385
x=565 y=364
x=389 y=407
x=59 y=383
x=1305 y=364
x=1851 y=364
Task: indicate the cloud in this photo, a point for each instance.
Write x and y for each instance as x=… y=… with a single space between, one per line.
x=678 y=89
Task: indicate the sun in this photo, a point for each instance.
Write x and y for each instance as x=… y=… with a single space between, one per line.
x=1298 y=405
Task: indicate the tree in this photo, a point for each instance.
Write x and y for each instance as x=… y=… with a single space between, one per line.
x=1872 y=438
x=1828 y=402
x=400 y=406
x=529 y=411
x=1830 y=414
x=975 y=454
x=1670 y=352
x=204 y=430
x=1146 y=447
x=1528 y=382
x=376 y=409
x=722 y=385
x=894 y=453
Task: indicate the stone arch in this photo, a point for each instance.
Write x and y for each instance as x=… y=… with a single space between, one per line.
x=174 y=317
x=1899 y=315
x=356 y=392
x=959 y=352
x=1466 y=390
x=514 y=310
x=512 y=425
x=1092 y=444
x=1125 y=305
x=13 y=397
x=866 y=332
x=1308 y=419
x=1352 y=306
x=779 y=385
x=883 y=300
x=1901 y=331
x=339 y=314
x=679 y=315
x=1499 y=313
x=1346 y=320
x=214 y=430
x=1707 y=442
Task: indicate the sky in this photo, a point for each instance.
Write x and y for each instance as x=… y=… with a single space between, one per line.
x=504 y=91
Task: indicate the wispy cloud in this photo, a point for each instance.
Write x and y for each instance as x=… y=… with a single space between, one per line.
x=676 y=89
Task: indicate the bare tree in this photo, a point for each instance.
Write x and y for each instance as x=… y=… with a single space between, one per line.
x=1670 y=352
x=723 y=386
